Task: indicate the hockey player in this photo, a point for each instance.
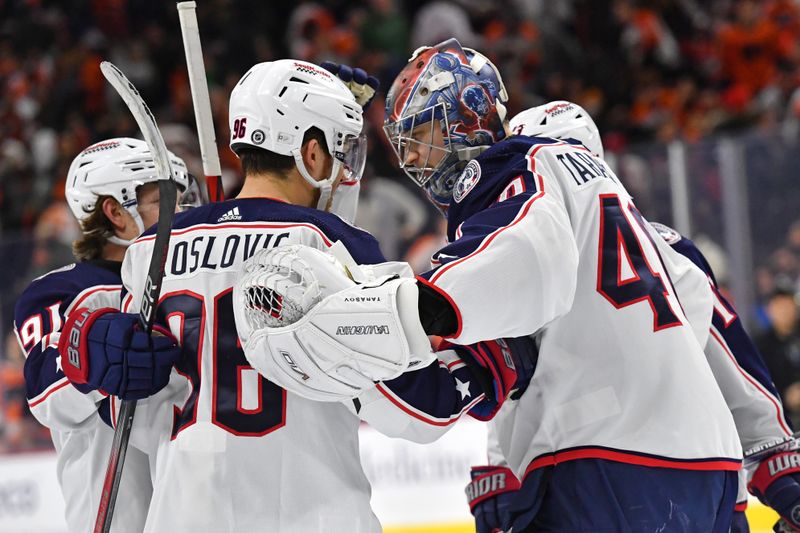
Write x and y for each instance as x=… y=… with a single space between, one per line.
x=622 y=419
x=111 y=190
x=234 y=452
x=738 y=368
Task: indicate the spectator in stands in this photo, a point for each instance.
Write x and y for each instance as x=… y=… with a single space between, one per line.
x=780 y=346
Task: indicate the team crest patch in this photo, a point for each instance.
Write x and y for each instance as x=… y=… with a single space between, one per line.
x=467 y=180
x=668 y=234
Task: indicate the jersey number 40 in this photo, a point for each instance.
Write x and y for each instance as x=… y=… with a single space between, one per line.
x=624 y=274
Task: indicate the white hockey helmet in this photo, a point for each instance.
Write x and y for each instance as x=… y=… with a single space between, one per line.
x=276 y=102
x=559 y=120
x=116 y=168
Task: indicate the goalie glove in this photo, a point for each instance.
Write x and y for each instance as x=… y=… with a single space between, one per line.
x=306 y=326
x=362 y=85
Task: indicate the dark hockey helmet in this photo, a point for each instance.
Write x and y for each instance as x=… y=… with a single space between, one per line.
x=450 y=91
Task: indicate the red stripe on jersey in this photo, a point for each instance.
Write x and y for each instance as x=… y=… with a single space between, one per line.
x=753 y=382
x=204 y=227
x=524 y=211
x=740 y=507
x=63 y=382
x=422 y=416
x=633 y=458
x=113 y=415
x=126 y=303
x=76 y=304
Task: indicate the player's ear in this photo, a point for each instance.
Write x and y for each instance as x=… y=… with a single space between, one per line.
x=315 y=157
x=115 y=213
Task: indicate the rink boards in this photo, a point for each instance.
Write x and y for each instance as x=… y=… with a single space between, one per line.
x=416 y=488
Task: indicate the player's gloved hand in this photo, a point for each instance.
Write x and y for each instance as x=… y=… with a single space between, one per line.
x=362 y=85
x=490 y=495
x=776 y=482
x=105 y=349
x=503 y=367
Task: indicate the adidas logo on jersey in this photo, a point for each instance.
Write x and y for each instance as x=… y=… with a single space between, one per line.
x=233 y=214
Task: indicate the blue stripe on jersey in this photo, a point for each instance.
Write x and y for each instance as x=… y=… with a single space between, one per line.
x=499 y=166
x=430 y=394
x=60 y=286
x=361 y=245
x=733 y=332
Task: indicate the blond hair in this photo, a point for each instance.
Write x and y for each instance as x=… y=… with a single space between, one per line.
x=96 y=229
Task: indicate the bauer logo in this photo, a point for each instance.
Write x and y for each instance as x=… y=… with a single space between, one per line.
x=257 y=137
x=363 y=330
x=467 y=180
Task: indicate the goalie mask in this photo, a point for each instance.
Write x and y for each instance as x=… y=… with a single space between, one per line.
x=560 y=120
x=443 y=109
x=117 y=168
x=275 y=103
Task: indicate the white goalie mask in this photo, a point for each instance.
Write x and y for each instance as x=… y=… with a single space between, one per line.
x=559 y=120
x=276 y=102
x=117 y=168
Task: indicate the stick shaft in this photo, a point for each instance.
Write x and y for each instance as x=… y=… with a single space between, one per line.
x=200 y=98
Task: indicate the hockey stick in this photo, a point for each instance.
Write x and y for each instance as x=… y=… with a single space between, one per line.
x=152 y=288
x=200 y=100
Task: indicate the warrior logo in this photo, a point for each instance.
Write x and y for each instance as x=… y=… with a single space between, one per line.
x=467 y=181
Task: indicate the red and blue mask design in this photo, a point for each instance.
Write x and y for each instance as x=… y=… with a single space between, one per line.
x=444 y=108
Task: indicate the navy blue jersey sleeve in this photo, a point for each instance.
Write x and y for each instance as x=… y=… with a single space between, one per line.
x=39 y=315
x=511 y=248
x=727 y=322
x=738 y=366
x=422 y=405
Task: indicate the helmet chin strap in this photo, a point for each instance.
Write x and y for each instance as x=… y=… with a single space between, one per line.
x=325 y=186
x=137 y=218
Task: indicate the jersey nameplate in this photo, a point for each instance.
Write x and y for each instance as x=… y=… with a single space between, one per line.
x=210 y=252
x=583 y=167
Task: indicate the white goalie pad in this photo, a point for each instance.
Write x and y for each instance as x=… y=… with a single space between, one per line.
x=306 y=326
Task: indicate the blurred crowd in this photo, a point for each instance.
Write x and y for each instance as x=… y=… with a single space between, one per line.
x=648 y=71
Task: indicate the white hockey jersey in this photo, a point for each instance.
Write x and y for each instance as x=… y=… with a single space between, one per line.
x=544 y=240
x=739 y=369
x=231 y=451
x=79 y=423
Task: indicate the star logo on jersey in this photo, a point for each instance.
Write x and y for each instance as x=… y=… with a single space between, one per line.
x=463 y=388
x=467 y=180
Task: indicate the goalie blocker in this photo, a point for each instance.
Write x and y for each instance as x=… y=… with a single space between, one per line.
x=308 y=327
